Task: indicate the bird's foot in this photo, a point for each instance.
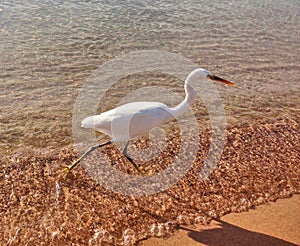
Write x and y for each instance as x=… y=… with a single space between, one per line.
x=147 y=171
x=142 y=172
x=66 y=170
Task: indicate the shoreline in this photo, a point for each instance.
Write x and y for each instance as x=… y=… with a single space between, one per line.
x=275 y=223
x=39 y=205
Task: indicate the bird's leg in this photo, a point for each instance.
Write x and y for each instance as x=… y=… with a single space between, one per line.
x=124 y=151
x=91 y=149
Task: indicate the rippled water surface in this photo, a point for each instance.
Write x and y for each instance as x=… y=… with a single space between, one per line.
x=49 y=49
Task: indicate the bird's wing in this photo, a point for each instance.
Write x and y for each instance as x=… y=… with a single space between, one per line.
x=132 y=119
x=154 y=115
x=144 y=118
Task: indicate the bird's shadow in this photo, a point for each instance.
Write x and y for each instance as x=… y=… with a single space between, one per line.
x=228 y=235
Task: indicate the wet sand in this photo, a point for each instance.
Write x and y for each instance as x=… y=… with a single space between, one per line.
x=271 y=224
x=260 y=164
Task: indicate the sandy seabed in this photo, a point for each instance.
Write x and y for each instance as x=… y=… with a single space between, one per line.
x=39 y=206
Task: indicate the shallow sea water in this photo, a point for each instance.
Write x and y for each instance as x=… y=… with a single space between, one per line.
x=49 y=49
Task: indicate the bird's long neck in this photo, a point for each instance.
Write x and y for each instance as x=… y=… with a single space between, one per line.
x=190 y=95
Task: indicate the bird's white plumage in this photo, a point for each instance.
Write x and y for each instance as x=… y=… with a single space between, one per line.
x=129 y=120
x=138 y=118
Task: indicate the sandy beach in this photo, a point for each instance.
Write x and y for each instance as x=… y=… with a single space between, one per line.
x=275 y=223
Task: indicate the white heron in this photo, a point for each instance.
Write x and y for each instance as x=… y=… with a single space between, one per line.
x=131 y=120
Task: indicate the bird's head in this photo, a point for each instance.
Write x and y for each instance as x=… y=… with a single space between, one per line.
x=200 y=74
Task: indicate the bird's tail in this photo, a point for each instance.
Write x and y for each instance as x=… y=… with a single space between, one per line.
x=89 y=122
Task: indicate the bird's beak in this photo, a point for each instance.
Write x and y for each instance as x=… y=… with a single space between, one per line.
x=216 y=78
